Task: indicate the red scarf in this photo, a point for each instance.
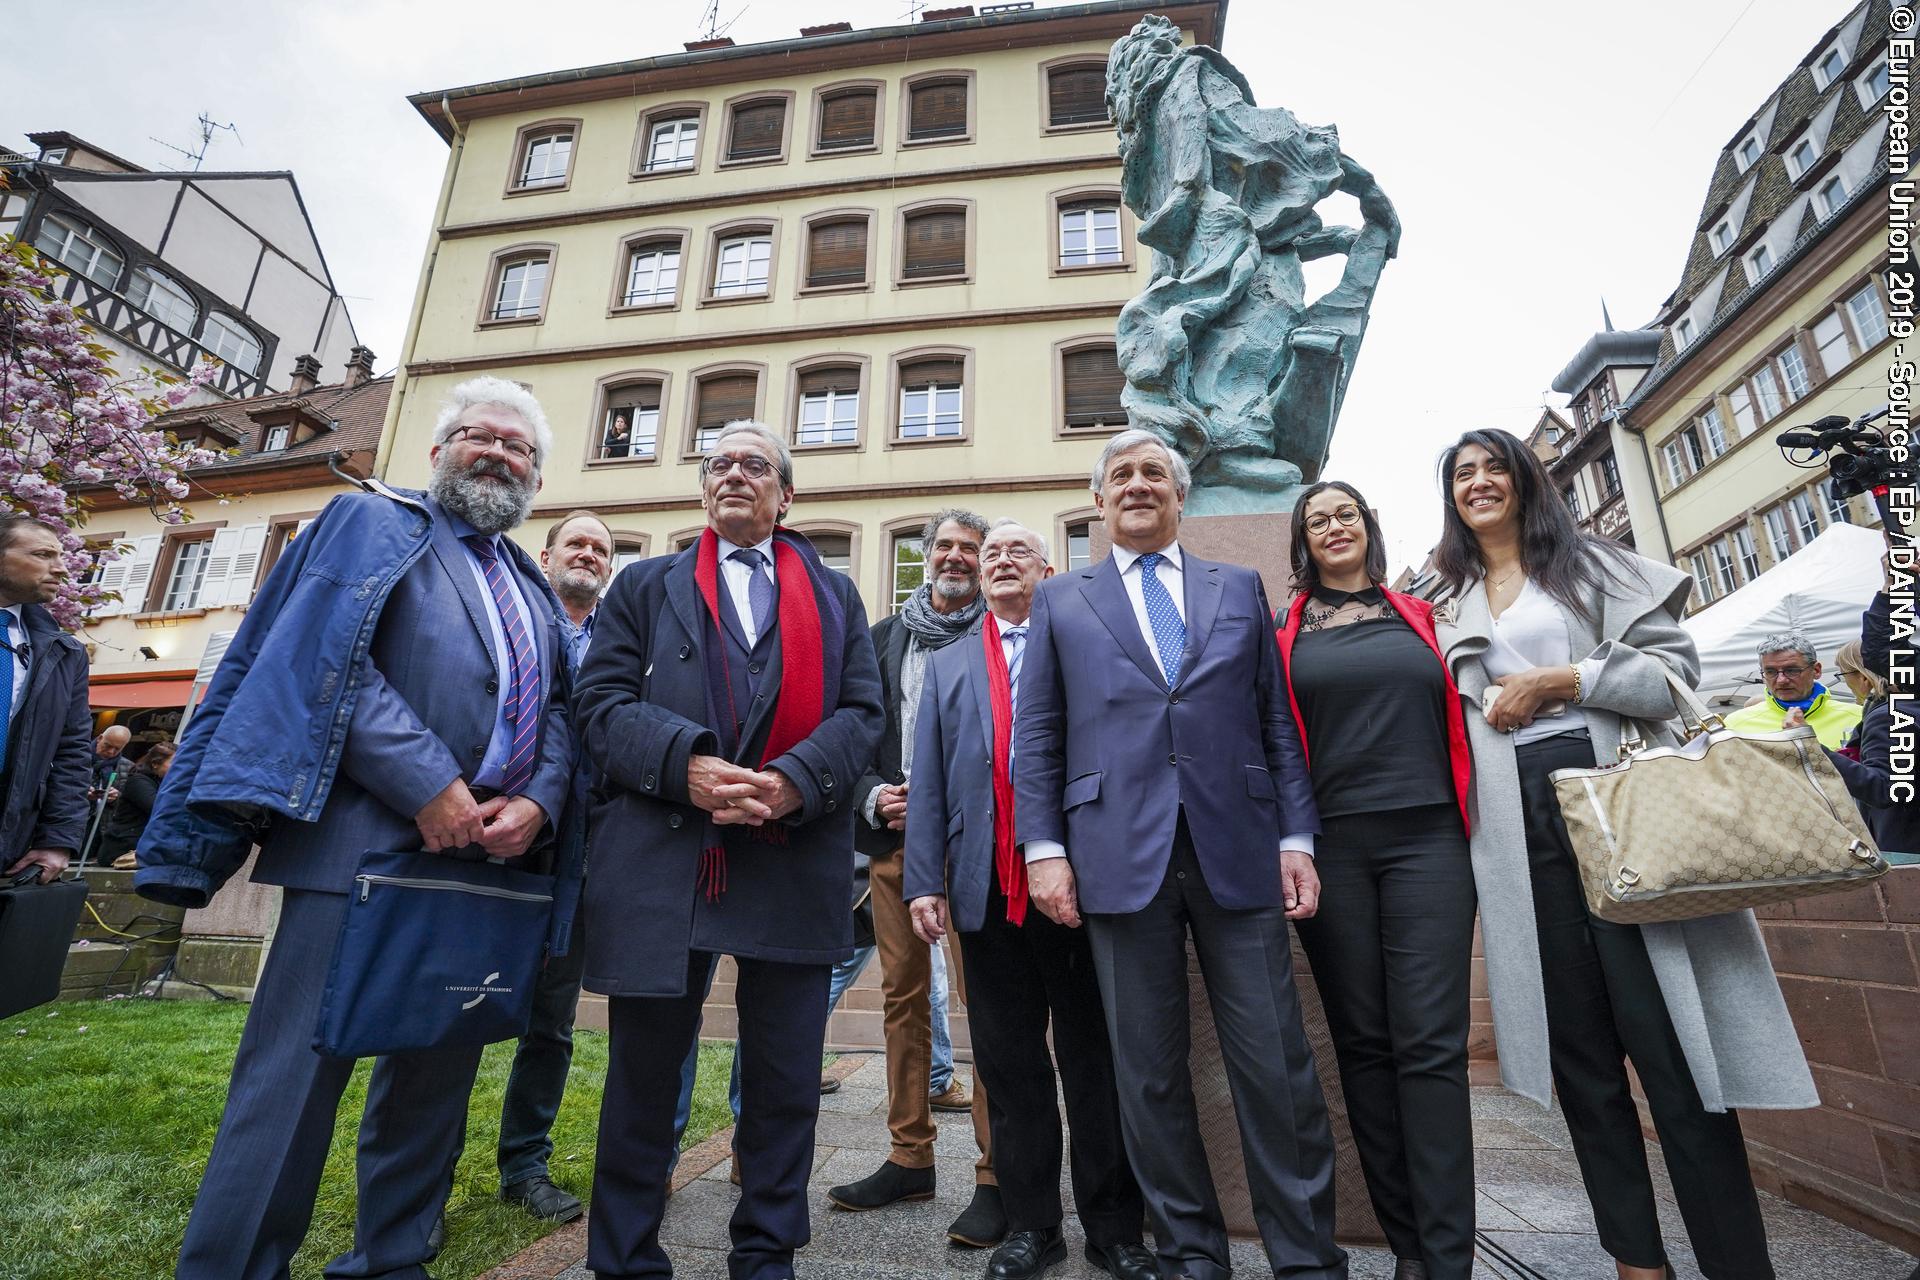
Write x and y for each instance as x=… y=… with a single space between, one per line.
x=1007 y=862
x=801 y=699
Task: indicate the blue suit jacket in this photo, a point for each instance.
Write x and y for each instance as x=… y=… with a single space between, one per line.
x=43 y=794
x=1108 y=756
x=950 y=804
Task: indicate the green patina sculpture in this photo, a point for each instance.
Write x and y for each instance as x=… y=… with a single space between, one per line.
x=1224 y=357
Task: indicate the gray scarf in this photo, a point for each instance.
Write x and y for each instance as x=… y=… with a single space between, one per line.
x=936 y=630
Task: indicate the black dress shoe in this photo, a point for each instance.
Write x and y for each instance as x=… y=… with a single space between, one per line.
x=1026 y=1254
x=889 y=1184
x=983 y=1222
x=1130 y=1261
x=1409 y=1269
x=540 y=1198
x=437 y=1238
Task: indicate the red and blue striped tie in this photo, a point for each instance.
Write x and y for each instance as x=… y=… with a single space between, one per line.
x=523 y=692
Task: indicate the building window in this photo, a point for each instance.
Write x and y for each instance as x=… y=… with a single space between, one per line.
x=1723 y=573
x=1712 y=432
x=1721 y=237
x=1090 y=233
x=1805 y=523
x=673 y=144
x=829 y=406
x=1079 y=544
x=835 y=551
x=758 y=130
x=1779 y=533
x=1869 y=316
x=630 y=427
x=1684 y=332
x=1838 y=512
x=937 y=110
x=837 y=253
x=933 y=244
x=653 y=274
x=1793 y=371
x=1609 y=476
x=1090 y=387
x=1695 y=453
x=1749 y=558
x=1830 y=195
x=231 y=341
x=1702 y=576
x=79 y=248
x=1872 y=86
x=1830 y=340
x=909 y=567
x=1828 y=69
x=1740 y=400
x=741 y=264
x=276 y=439
x=54 y=155
x=1077 y=95
x=164 y=298
x=719 y=399
x=188 y=575
x=626 y=551
x=545 y=155
x=1766 y=392
x=1571 y=496
x=1759 y=262
x=1748 y=154
x=1676 y=464
x=849 y=120
x=519 y=287
x=930 y=400
x=1801 y=158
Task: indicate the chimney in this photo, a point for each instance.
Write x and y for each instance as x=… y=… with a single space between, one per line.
x=825 y=29
x=306 y=376
x=943 y=15
x=359 y=367
x=701 y=46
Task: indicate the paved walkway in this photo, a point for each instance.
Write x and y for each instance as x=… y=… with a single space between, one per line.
x=1532 y=1213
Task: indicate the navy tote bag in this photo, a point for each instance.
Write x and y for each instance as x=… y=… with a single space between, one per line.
x=434 y=953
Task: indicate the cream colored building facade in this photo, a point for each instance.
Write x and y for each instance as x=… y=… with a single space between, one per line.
x=903 y=247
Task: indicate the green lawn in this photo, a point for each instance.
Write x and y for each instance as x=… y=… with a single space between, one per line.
x=108 y=1109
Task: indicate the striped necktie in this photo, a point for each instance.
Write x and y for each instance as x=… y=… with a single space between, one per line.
x=1017 y=637
x=523 y=665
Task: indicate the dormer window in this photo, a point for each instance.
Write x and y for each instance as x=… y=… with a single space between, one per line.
x=1801 y=158
x=1759 y=262
x=1721 y=238
x=1683 y=333
x=1828 y=69
x=1872 y=87
x=54 y=155
x=1830 y=196
x=276 y=439
x=1747 y=154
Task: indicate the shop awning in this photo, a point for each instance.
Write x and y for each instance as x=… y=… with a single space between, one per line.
x=139 y=694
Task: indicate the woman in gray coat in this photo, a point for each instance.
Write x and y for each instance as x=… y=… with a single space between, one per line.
x=1573 y=631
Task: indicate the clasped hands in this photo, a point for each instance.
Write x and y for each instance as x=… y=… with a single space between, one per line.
x=1522 y=696
x=504 y=826
x=737 y=795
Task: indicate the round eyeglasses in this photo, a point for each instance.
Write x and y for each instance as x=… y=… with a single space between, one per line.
x=1346 y=515
x=755 y=466
x=483 y=440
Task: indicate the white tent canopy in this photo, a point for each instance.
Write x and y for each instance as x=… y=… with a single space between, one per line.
x=1819 y=591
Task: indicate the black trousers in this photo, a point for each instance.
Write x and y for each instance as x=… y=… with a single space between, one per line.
x=782 y=1012
x=1603 y=1007
x=1019 y=978
x=1392 y=955
x=538 y=1080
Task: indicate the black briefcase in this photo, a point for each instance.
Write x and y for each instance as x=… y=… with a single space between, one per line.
x=36 y=929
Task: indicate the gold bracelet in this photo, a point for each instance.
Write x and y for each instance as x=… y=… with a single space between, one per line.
x=1575 y=668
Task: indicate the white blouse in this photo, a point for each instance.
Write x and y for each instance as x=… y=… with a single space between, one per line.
x=1533 y=633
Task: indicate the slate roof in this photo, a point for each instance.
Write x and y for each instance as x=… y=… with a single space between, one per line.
x=356 y=412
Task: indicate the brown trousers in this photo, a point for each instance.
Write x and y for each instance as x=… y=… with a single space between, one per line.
x=906 y=984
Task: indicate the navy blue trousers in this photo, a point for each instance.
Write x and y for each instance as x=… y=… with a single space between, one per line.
x=256 y=1198
x=782 y=1012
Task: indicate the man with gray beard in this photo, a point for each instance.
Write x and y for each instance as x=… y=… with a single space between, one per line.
x=400 y=683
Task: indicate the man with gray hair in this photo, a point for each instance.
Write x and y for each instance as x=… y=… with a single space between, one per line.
x=1790 y=672
x=400 y=683
x=942 y=609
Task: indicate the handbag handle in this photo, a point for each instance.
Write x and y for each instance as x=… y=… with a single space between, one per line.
x=1695 y=718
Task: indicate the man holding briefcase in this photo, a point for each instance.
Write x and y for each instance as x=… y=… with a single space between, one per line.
x=43 y=709
x=398 y=684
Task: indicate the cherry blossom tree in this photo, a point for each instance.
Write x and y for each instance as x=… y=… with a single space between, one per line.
x=69 y=423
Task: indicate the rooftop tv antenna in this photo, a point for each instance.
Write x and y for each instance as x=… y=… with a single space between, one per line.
x=207 y=129
x=711 y=28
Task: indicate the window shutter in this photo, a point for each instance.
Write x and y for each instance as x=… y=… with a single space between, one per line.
x=1076 y=95
x=246 y=566
x=837 y=252
x=137 y=575
x=633 y=395
x=945 y=371
x=837 y=378
x=936 y=244
x=213 y=583
x=725 y=398
x=937 y=110
x=756 y=130
x=846 y=119
x=1093 y=383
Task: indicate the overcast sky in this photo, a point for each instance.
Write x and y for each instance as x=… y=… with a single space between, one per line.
x=1541 y=156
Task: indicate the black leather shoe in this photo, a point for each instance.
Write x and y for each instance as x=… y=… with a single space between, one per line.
x=983 y=1222
x=1130 y=1261
x=1409 y=1269
x=889 y=1184
x=1026 y=1254
x=540 y=1198
x=437 y=1238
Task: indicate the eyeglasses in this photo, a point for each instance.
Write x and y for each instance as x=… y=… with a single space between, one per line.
x=1018 y=552
x=755 y=466
x=1346 y=515
x=483 y=440
x=1782 y=673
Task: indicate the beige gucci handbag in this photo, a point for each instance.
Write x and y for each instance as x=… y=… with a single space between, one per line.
x=1724 y=822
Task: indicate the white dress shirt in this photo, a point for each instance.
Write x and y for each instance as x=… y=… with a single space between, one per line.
x=1172 y=575
x=17 y=637
x=1533 y=633
x=738 y=578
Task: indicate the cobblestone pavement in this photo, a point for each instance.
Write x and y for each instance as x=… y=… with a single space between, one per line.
x=1532 y=1213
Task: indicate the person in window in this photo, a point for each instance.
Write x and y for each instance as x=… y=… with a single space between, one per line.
x=1790 y=669
x=127 y=817
x=1865 y=762
x=1392 y=945
x=1574 y=633
x=619 y=438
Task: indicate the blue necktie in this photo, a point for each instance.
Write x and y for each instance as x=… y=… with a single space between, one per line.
x=6 y=683
x=1169 y=631
x=1017 y=636
x=523 y=665
x=759 y=589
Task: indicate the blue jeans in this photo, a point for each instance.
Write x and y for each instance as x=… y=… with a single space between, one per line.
x=940 y=1077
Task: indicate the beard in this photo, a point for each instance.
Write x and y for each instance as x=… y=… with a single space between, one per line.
x=475 y=497
x=950 y=590
x=578 y=586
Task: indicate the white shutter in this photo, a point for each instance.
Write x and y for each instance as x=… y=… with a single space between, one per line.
x=246 y=566
x=213 y=583
x=113 y=577
x=138 y=575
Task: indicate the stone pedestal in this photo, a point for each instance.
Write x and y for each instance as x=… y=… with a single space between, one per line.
x=223 y=944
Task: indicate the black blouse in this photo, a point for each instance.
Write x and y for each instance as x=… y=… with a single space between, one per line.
x=1373 y=698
